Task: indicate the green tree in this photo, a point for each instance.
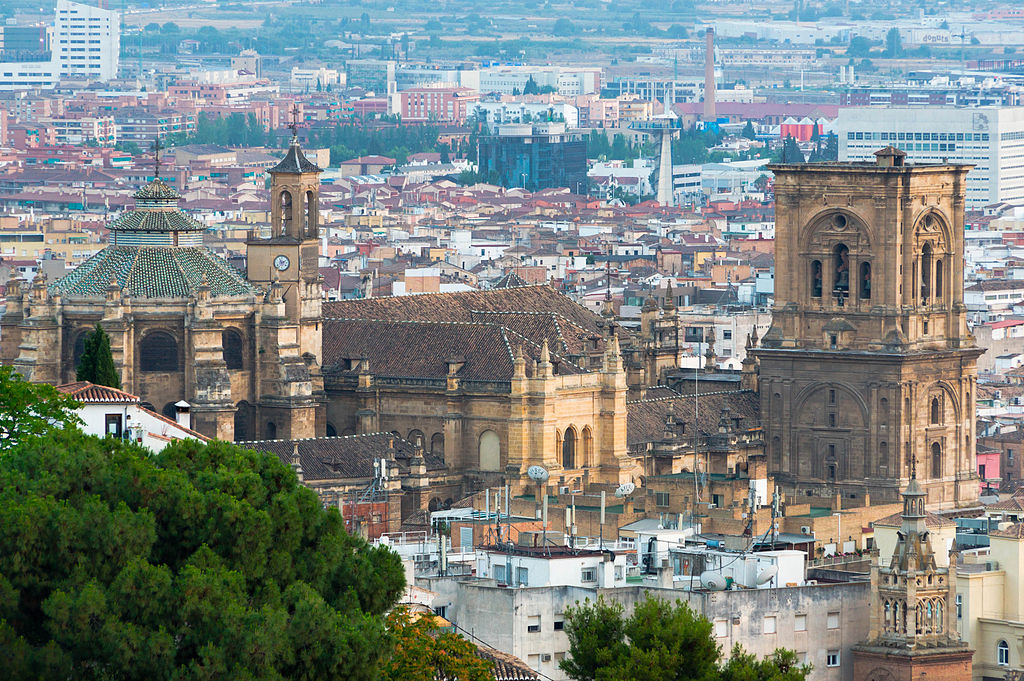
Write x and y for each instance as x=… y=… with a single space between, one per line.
x=97 y=362
x=791 y=152
x=859 y=47
x=563 y=27
x=893 y=43
x=205 y=561
x=660 y=641
x=170 y=27
x=423 y=653
x=748 y=130
x=530 y=88
x=29 y=409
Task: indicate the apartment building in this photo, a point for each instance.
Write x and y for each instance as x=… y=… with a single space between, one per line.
x=989 y=137
x=86 y=41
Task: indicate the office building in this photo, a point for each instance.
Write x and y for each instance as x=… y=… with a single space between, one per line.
x=990 y=138
x=534 y=157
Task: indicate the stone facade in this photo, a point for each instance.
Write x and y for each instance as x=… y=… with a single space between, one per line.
x=868 y=366
x=913 y=621
x=183 y=324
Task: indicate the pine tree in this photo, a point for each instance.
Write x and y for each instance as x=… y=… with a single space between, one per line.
x=97 y=363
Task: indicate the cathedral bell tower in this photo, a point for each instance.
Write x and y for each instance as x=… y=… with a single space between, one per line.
x=869 y=364
x=291 y=255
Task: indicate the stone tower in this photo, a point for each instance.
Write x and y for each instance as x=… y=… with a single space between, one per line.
x=913 y=617
x=868 y=365
x=287 y=265
x=291 y=255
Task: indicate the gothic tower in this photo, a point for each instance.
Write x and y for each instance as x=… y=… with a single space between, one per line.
x=913 y=617
x=868 y=365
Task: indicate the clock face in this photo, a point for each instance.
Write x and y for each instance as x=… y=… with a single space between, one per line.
x=281 y=262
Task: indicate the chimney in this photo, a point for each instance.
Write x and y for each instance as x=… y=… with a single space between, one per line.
x=183 y=414
x=710 y=115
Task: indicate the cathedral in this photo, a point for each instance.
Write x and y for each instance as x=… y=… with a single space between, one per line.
x=867 y=372
x=183 y=323
x=869 y=367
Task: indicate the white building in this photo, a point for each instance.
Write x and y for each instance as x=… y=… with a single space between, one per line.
x=989 y=137
x=106 y=411
x=525 y=112
x=567 y=81
x=86 y=41
x=313 y=78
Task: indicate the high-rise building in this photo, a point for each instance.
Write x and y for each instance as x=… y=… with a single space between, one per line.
x=534 y=157
x=86 y=41
x=868 y=370
x=991 y=138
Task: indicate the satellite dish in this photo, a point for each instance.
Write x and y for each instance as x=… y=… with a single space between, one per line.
x=712 y=581
x=625 y=489
x=537 y=473
x=768 y=574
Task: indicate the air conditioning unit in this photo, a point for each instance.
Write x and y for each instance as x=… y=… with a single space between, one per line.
x=805 y=529
x=545 y=658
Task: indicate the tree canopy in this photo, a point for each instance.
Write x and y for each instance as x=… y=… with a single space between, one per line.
x=660 y=641
x=28 y=409
x=424 y=653
x=205 y=561
x=97 y=362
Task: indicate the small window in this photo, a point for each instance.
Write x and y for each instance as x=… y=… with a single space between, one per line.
x=721 y=628
x=833 y=620
x=832 y=658
x=523 y=576
x=1003 y=654
x=831 y=396
x=588 y=574
x=816 y=279
x=559 y=625
x=768 y=625
x=800 y=623
x=661 y=498
x=832 y=420
x=533 y=624
x=959 y=606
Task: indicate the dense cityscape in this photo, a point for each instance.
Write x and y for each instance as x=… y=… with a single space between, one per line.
x=532 y=339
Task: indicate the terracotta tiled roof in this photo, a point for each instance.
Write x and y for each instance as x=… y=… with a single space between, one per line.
x=459 y=307
x=1014 y=503
x=646 y=418
x=346 y=457
x=1015 y=531
x=930 y=520
x=506 y=667
x=420 y=349
x=84 y=391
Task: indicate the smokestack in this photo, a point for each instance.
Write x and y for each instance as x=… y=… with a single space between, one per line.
x=709 y=76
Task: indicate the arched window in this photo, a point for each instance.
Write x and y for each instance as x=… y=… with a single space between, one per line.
x=286 y=211
x=1003 y=654
x=883 y=459
x=170 y=411
x=437 y=445
x=865 y=281
x=569 y=448
x=330 y=430
x=936 y=411
x=938 y=279
x=936 y=460
x=816 y=274
x=841 y=265
x=416 y=437
x=79 y=347
x=490 y=451
x=243 y=421
x=270 y=431
x=588 y=447
x=233 y=348
x=158 y=351
x=926 y=272
x=883 y=413
x=310 y=214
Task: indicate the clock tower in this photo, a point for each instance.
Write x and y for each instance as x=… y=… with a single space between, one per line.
x=291 y=255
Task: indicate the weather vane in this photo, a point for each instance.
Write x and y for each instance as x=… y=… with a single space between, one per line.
x=294 y=125
x=156 y=161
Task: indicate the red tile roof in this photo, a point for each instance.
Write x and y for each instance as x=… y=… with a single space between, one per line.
x=84 y=391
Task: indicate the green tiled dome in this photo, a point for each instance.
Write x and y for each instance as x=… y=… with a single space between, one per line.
x=154 y=272
x=158 y=189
